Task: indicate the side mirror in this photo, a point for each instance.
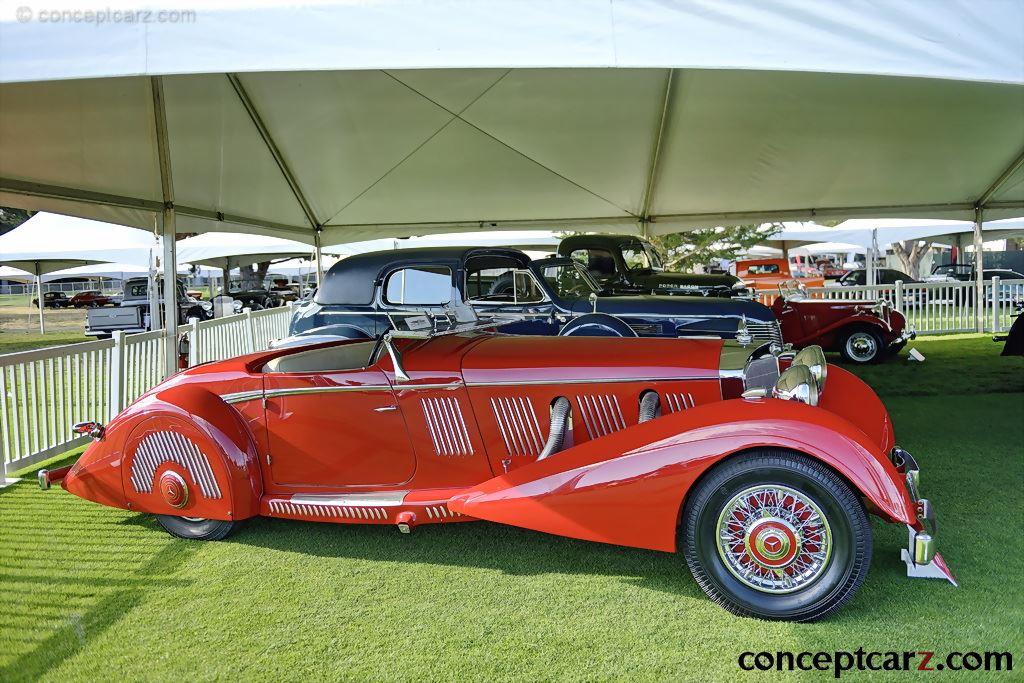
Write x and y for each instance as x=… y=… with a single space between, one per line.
x=396 y=359
x=593 y=302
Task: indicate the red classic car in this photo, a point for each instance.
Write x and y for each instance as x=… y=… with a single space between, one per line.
x=769 y=273
x=861 y=331
x=92 y=298
x=742 y=460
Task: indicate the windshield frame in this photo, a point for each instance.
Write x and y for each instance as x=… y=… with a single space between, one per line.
x=537 y=268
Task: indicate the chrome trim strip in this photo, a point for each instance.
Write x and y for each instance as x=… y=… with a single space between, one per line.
x=615 y=380
x=381 y=499
x=242 y=396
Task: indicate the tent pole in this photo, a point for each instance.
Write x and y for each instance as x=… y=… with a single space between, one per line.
x=226 y=277
x=319 y=258
x=979 y=272
x=654 y=166
x=39 y=294
x=169 y=226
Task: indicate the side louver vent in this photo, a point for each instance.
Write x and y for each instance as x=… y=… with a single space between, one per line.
x=678 y=401
x=517 y=421
x=601 y=414
x=446 y=426
x=160 y=447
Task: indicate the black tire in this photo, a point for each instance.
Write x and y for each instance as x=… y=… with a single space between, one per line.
x=842 y=562
x=861 y=345
x=894 y=349
x=196 y=529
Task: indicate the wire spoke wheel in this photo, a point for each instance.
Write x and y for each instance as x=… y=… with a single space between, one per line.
x=775 y=534
x=774 y=538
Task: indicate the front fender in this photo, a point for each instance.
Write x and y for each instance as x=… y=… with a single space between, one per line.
x=188 y=431
x=629 y=488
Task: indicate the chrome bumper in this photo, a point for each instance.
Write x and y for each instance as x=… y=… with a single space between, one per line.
x=921 y=554
x=907 y=335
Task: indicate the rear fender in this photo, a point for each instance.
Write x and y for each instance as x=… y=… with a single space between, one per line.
x=183 y=432
x=628 y=488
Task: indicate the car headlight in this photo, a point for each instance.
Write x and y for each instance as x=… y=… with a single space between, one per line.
x=813 y=358
x=738 y=285
x=206 y=305
x=237 y=306
x=797 y=384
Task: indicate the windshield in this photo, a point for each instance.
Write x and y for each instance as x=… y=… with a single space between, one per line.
x=951 y=269
x=657 y=263
x=641 y=255
x=569 y=282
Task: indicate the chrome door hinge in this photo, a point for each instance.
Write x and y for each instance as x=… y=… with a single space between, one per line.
x=268 y=459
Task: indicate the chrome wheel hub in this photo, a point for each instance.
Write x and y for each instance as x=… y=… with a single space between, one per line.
x=774 y=539
x=861 y=345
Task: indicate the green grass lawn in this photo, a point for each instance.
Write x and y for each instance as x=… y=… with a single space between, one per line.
x=11 y=342
x=93 y=593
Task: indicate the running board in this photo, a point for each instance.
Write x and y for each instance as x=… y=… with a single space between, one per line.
x=404 y=508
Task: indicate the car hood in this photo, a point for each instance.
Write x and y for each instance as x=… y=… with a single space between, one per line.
x=688 y=280
x=677 y=306
x=502 y=359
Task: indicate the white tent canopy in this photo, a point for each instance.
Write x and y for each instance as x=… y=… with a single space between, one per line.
x=214 y=248
x=370 y=120
x=865 y=232
x=55 y=242
x=540 y=240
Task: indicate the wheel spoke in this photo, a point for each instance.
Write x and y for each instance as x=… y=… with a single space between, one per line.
x=774 y=539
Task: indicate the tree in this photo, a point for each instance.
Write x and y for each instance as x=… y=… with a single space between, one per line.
x=12 y=218
x=252 y=278
x=689 y=250
x=910 y=254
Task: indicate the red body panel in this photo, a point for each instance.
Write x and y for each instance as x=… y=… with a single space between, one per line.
x=822 y=322
x=614 y=492
x=459 y=439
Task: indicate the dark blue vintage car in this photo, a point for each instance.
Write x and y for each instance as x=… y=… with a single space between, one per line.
x=363 y=295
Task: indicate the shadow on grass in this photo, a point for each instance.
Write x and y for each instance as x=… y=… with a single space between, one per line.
x=52 y=549
x=482 y=545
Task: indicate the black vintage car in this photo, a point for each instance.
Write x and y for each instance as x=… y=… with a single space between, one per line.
x=363 y=295
x=53 y=300
x=626 y=264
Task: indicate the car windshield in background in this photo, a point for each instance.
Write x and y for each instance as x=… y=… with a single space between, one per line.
x=569 y=282
x=636 y=257
x=952 y=269
x=763 y=269
x=655 y=258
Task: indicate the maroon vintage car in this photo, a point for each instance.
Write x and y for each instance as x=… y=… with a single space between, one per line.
x=862 y=331
x=92 y=298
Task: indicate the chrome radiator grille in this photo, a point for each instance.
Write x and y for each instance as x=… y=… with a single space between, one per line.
x=765 y=332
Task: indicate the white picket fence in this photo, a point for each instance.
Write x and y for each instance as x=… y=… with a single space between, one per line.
x=44 y=392
x=933 y=307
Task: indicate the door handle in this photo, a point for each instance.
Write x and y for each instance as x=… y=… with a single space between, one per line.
x=385 y=409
